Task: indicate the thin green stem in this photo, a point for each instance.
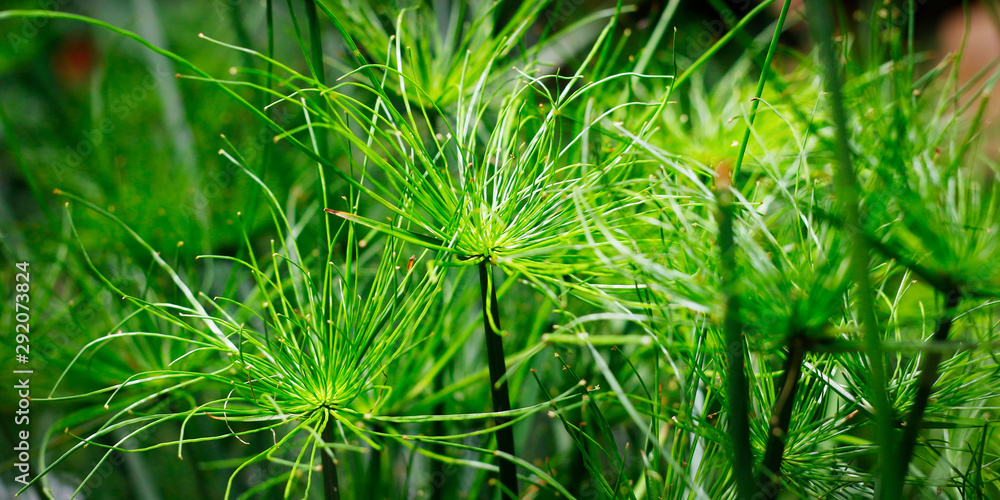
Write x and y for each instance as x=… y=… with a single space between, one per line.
x=375 y=464
x=781 y=414
x=331 y=484
x=847 y=189
x=717 y=46
x=737 y=390
x=498 y=371
x=928 y=376
x=760 y=86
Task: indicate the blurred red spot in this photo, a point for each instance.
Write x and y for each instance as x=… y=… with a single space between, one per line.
x=73 y=60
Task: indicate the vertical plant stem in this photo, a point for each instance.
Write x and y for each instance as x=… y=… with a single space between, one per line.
x=498 y=371
x=847 y=189
x=737 y=391
x=244 y=38
x=781 y=415
x=928 y=376
x=315 y=43
x=375 y=464
x=760 y=86
x=316 y=64
x=331 y=484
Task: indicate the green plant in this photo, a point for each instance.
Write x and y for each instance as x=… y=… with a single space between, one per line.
x=751 y=271
x=504 y=200
x=306 y=348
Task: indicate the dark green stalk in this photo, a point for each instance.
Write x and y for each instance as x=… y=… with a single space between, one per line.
x=737 y=391
x=375 y=464
x=331 y=484
x=243 y=36
x=928 y=376
x=847 y=189
x=315 y=43
x=319 y=133
x=781 y=415
x=316 y=64
x=498 y=372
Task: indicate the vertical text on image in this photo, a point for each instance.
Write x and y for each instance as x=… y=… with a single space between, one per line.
x=22 y=373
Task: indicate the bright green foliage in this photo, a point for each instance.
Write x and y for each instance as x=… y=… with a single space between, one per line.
x=700 y=293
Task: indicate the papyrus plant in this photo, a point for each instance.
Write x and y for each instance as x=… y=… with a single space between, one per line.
x=493 y=186
x=298 y=354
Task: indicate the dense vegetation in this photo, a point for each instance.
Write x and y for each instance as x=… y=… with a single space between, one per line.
x=492 y=250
